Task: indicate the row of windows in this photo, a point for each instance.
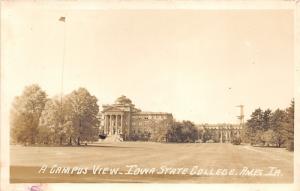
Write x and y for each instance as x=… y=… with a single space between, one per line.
x=144 y=123
x=138 y=123
x=150 y=117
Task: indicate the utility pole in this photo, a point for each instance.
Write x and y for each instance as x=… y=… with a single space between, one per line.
x=241 y=116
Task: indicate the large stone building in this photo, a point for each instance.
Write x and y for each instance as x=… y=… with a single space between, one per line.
x=123 y=121
x=222 y=132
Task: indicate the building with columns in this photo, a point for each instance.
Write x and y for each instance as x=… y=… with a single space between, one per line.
x=126 y=122
x=223 y=132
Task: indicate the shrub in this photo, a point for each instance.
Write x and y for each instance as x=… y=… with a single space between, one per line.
x=236 y=141
x=290 y=146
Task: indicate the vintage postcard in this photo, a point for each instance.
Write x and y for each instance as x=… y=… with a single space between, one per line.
x=140 y=95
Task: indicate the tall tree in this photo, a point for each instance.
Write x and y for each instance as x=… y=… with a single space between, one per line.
x=189 y=132
x=54 y=122
x=269 y=137
x=254 y=125
x=82 y=109
x=25 y=114
x=266 y=120
x=289 y=127
x=207 y=135
x=182 y=132
x=278 y=122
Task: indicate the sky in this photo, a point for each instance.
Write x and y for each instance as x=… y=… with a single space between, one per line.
x=196 y=64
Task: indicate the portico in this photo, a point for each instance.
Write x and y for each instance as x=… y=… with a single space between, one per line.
x=113 y=123
x=122 y=121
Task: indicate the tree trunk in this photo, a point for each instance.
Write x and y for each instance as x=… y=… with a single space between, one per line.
x=78 y=141
x=70 y=141
x=60 y=140
x=32 y=140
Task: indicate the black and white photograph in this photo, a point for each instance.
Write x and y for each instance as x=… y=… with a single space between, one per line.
x=149 y=93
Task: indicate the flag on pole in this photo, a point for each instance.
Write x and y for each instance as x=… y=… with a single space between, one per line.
x=63 y=19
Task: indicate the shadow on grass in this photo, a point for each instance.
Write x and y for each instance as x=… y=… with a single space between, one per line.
x=263 y=146
x=109 y=146
x=81 y=146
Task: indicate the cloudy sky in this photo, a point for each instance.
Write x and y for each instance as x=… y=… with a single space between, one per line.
x=196 y=64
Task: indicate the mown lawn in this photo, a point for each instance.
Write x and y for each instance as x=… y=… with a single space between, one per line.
x=27 y=161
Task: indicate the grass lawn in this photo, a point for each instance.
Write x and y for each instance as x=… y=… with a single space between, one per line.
x=166 y=158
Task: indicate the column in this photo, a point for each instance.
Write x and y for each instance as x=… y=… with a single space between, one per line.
x=221 y=136
x=110 y=124
x=107 y=123
x=121 y=131
x=107 y=126
x=114 y=124
x=104 y=130
x=116 y=130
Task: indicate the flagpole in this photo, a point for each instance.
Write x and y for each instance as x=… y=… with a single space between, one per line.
x=62 y=19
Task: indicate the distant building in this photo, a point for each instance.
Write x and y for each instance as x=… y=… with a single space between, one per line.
x=123 y=121
x=224 y=132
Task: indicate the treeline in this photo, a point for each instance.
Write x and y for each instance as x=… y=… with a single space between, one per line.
x=271 y=128
x=37 y=119
x=182 y=132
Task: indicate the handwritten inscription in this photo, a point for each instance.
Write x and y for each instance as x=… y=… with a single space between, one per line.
x=135 y=170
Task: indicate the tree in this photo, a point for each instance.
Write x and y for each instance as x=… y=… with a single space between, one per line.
x=158 y=130
x=25 y=114
x=289 y=126
x=268 y=137
x=245 y=134
x=254 y=125
x=258 y=138
x=82 y=110
x=54 y=124
x=216 y=136
x=278 y=122
x=45 y=136
x=236 y=140
x=207 y=135
x=266 y=120
x=188 y=132
x=271 y=127
x=182 y=132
